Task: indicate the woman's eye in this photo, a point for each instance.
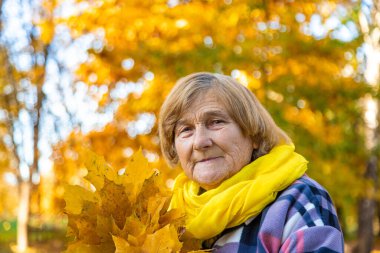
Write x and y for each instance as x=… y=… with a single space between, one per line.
x=185 y=129
x=216 y=121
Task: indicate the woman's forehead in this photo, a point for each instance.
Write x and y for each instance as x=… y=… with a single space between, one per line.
x=208 y=104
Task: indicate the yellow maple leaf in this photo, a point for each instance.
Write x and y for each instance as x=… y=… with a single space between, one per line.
x=103 y=227
x=174 y=216
x=136 y=173
x=114 y=202
x=75 y=196
x=97 y=169
x=155 y=205
x=134 y=226
x=126 y=212
x=163 y=240
x=121 y=245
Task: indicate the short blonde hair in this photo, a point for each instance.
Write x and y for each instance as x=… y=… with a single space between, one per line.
x=240 y=103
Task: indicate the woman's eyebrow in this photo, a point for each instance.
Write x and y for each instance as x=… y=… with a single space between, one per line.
x=211 y=113
x=218 y=113
x=179 y=123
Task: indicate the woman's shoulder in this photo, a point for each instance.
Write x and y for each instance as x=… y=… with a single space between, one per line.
x=306 y=202
x=300 y=216
x=306 y=184
x=304 y=194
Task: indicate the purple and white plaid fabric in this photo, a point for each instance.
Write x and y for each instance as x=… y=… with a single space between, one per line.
x=301 y=219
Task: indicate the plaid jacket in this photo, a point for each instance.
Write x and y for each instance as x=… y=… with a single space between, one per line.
x=301 y=219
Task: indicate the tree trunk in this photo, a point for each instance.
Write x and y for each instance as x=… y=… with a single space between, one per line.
x=366 y=212
x=370 y=28
x=23 y=216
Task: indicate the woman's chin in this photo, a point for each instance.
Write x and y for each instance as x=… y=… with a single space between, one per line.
x=209 y=184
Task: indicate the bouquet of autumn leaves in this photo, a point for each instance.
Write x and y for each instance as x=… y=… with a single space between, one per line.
x=126 y=212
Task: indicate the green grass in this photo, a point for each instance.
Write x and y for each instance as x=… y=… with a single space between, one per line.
x=44 y=239
x=7 y=235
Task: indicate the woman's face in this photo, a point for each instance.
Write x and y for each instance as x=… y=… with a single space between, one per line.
x=210 y=144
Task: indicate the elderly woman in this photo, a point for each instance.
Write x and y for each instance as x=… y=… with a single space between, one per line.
x=243 y=188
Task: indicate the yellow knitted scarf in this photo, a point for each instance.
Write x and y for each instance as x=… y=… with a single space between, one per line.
x=240 y=197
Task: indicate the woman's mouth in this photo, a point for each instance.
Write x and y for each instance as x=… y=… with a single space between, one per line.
x=209 y=159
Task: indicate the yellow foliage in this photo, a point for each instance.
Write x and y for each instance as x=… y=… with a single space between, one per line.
x=47 y=31
x=275 y=56
x=75 y=197
x=127 y=212
x=314 y=123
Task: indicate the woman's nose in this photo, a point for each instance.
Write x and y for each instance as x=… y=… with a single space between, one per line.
x=202 y=138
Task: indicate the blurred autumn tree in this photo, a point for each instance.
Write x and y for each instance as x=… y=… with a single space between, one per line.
x=33 y=109
x=301 y=59
x=369 y=20
x=21 y=105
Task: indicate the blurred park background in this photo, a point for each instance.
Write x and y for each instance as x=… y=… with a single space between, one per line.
x=94 y=73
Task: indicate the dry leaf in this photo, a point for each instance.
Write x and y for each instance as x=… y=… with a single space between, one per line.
x=125 y=213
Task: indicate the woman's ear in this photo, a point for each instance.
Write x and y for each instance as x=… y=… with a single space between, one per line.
x=255 y=143
x=255 y=150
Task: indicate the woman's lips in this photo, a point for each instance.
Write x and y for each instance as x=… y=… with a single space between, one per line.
x=209 y=159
